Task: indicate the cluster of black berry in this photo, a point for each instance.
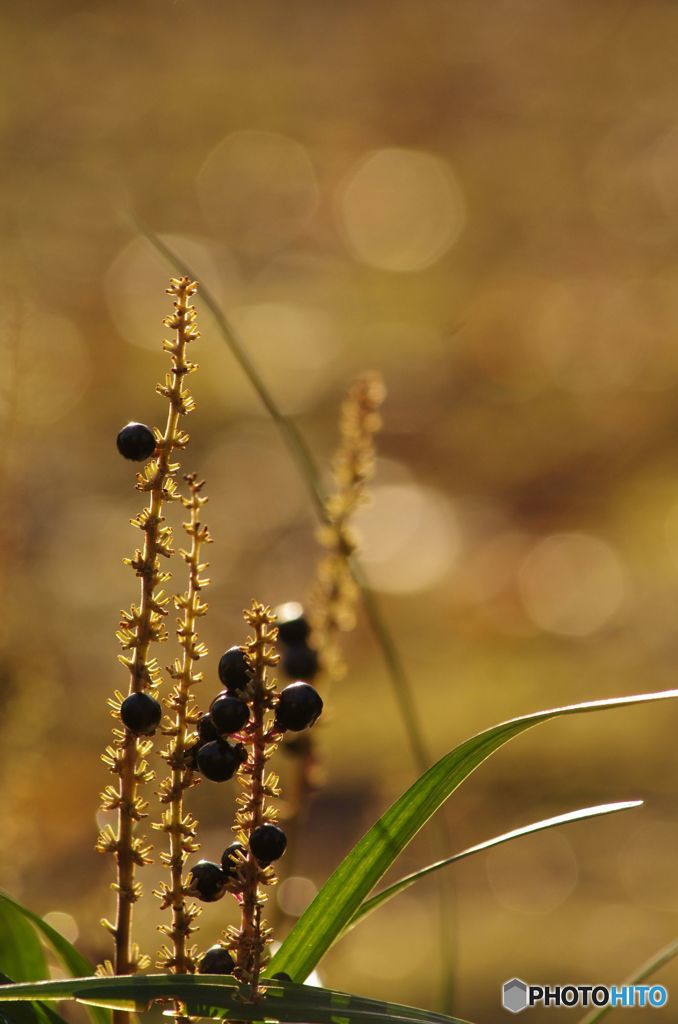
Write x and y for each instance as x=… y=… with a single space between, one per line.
x=214 y=755
x=297 y=707
x=209 y=881
x=299 y=660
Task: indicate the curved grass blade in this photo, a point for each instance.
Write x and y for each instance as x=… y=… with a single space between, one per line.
x=22 y=959
x=343 y=893
x=644 y=973
x=221 y=997
x=376 y=901
x=21 y=954
x=73 y=961
x=28 y=1013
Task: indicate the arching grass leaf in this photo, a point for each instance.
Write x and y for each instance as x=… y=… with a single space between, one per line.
x=374 y=902
x=27 y=1013
x=21 y=954
x=644 y=973
x=73 y=961
x=221 y=997
x=350 y=884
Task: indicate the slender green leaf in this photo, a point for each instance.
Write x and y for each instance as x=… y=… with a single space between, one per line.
x=221 y=997
x=22 y=957
x=644 y=973
x=378 y=900
x=74 y=961
x=27 y=1013
x=78 y=965
x=338 y=900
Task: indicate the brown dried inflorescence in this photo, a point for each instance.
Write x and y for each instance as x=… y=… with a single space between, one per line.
x=141 y=627
x=179 y=824
x=259 y=785
x=335 y=595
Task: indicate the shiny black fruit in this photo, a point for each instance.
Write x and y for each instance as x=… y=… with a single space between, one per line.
x=136 y=441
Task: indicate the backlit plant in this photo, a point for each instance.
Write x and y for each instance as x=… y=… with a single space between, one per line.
x=234 y=739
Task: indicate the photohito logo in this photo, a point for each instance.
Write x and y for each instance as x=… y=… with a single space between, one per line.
x=517 y=995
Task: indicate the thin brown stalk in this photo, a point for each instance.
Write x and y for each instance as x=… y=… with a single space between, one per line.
x=251 y=940
x=140 y=628
x=179 y=824
x=335 y=593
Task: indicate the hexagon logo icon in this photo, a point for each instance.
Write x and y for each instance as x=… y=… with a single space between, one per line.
x=514 y=995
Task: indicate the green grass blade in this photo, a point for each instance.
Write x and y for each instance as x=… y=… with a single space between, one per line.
x=644 y=973
x=22 y=957
x=73 y=961
x=221 y=997
x=350 y=884
x=27 y=1013
x=378 y=900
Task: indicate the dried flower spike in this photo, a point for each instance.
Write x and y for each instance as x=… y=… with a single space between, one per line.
x=183 y=715
x=143 y=626
x=248 y=877
x=308 y=652
x=335 y=595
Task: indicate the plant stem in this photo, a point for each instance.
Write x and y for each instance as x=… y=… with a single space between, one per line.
x=400 y=683
x=248 y=958
x=251 y=940
x=182 y=826
x=309 y=472
x=139 y=629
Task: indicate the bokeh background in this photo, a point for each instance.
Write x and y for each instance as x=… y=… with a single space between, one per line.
x=481 y=201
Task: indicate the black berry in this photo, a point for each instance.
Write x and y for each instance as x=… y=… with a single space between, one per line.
x=206 y=731
x=280 y=976
x=234 y=669
x=141 y=714
x=228 y=713
x=230 y=860
x=299 y=706
x=216 y=960
x=267 y=843
x=206 y=881
x=218 y=761
x=300 y=662
x=293 y=627
x=137 y=442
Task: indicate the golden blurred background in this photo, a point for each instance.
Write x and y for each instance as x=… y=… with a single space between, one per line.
x=480 y=200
